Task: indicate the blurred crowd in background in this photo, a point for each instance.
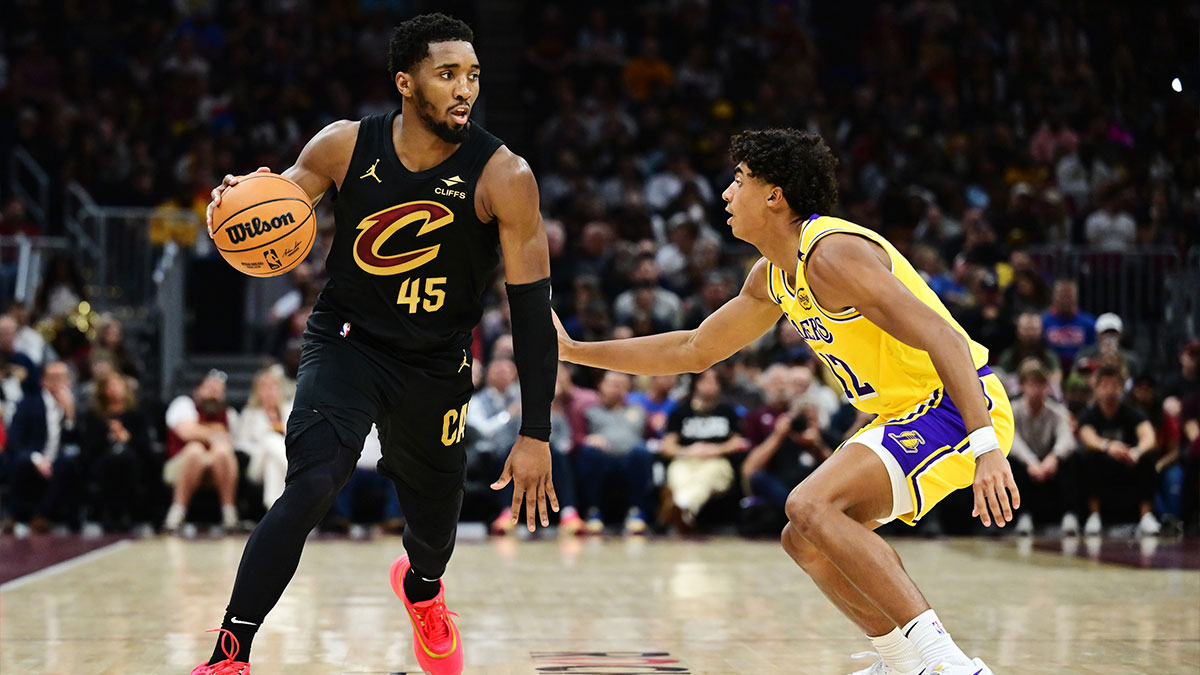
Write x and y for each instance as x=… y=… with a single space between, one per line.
x=975 y=137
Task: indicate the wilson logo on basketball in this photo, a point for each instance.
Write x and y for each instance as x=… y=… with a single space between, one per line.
x=240 y=232
x=376 y=229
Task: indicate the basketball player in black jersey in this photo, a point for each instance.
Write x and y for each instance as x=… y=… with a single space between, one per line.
x=423 y=200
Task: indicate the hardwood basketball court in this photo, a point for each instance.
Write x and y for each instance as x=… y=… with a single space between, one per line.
x=715 y=606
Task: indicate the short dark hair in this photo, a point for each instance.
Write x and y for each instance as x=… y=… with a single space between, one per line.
x=411 y=39
x=1109 y=371
x=797 y=161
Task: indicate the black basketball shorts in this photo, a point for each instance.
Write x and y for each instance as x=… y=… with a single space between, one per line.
x=417 y=399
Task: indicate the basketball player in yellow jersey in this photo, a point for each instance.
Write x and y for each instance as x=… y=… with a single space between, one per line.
x=943 y=421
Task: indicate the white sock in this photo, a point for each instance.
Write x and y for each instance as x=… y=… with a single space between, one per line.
x=897 y=651
x=934 y=641
x=175 y=516
x=229 y=515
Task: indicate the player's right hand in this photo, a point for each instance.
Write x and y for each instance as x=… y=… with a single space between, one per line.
x=229 y=181
x=994 y=490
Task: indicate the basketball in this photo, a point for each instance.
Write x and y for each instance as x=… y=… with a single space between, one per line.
x=264 y=225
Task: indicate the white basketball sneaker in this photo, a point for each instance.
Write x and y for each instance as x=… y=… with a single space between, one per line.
x=977 y=667
x=879 y=667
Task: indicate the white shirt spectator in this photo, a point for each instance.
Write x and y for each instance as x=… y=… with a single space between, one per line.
x=183 y=409
x=33 y=345
x=54 y=426
x=822 y=399
x=1110 y=229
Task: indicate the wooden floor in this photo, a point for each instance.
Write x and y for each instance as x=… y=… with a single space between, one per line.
x=593 y=606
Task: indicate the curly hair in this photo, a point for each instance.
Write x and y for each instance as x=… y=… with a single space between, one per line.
x=797 y=161
x=411 y=39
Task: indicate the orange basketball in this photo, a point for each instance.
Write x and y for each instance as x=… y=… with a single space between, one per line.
x=264 y=225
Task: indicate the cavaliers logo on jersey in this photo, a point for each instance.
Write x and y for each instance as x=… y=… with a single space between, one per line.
x=376 y=229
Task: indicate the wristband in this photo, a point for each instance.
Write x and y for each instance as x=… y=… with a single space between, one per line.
x=983 y=440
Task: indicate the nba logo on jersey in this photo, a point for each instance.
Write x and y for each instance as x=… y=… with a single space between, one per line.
x=345 y=329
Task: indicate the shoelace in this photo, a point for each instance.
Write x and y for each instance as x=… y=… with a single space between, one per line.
x=878 y=666
x=226 y=666
x=433 y=621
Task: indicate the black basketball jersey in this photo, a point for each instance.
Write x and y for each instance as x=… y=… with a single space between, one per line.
x=410 y=258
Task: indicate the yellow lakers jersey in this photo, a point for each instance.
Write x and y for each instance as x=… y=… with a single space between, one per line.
x=879 y=373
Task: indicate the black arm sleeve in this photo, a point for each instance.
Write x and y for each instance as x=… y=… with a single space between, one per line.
x=535 y=350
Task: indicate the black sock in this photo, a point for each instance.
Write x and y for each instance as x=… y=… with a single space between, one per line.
x=243 y=630
x=417 y=589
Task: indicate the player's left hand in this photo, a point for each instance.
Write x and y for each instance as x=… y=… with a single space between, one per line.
x=528 y=467
x=993 y=484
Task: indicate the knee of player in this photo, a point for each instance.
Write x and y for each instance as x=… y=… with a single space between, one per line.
x=803 y=511
x=800 y=550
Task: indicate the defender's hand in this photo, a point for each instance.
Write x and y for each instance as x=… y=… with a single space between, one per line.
x=993 y=483
x=528 y=467
x=565 y=342
x=229 y=181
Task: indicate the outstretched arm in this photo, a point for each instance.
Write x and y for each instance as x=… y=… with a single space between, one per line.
x=510 y=195
x=845 y=270
x=736 y=324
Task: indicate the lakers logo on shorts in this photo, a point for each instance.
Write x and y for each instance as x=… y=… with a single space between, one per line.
x=909 y=440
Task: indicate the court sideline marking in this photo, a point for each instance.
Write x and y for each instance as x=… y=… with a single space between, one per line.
x=63 y=566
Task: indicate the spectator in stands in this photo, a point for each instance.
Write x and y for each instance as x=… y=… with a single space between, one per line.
x=777 y=388
x=18 y=375
x=1042 y=450
x=806 y=391
x=787 y=455
x=367 y=479
x=45 y=464
x=575 y=401
x=647 y=295
x=260 y=432
x=1119 y=457
x=99 y=366
x=657 y=402
x=988 y=321
x=1109 y=329
x=28 y=341
x=116 y=447
x=562 y=445
x=1111 y=226
x=110 y=336
x=1185 y=382
x=14 y=221
x=702 y=434
x=647 y=75
x=1031 y=344
x=200 y=430
x=716 y=291
x=61 y=290
x=1067 y=329
x=615 y=450
x=494 y=420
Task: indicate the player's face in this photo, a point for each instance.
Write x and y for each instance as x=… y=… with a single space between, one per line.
x=746 y=202
x=445 y=85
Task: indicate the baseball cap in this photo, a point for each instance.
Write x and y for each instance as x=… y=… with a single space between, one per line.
x=1109 y=321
